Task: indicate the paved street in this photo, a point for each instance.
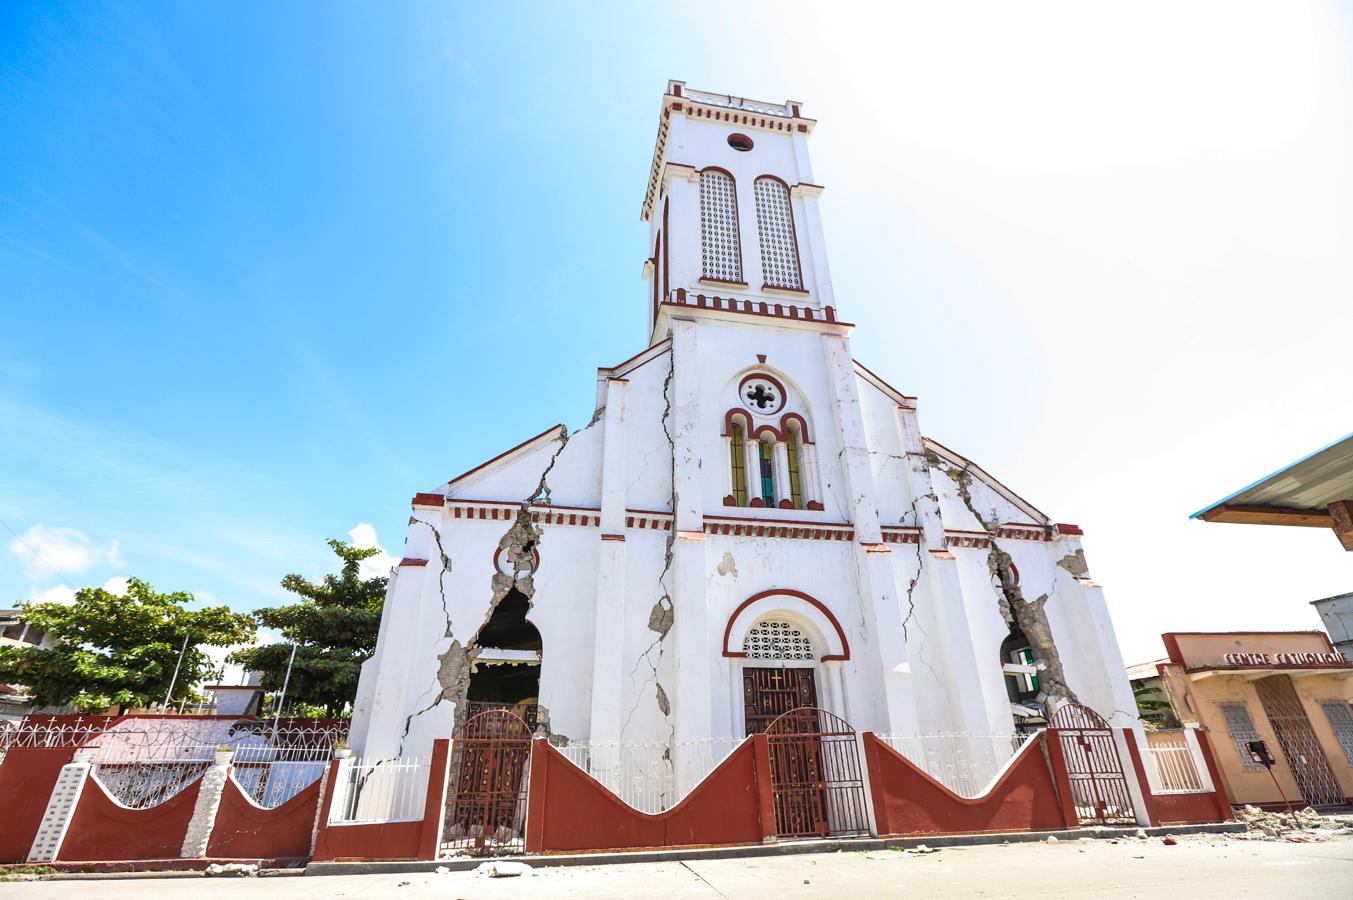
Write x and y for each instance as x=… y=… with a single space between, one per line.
x=1198 y=867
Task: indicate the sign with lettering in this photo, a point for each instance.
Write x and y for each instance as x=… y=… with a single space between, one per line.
x=1284 y=659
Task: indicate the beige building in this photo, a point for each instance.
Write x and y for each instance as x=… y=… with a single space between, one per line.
x=1292 y=690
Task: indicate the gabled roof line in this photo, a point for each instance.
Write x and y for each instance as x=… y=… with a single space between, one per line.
x=986 y=478
x=526 y=446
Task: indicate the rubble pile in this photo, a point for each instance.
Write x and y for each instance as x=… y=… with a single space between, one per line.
x=1279 y=826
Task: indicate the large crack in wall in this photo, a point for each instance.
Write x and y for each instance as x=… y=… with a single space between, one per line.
x=663 y=614
x=518 y=546
x=1029 y=616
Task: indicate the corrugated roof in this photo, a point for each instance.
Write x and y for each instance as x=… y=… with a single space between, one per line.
x=1312 y=482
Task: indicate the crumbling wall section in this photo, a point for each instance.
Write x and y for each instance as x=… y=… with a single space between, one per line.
x=1029 y=615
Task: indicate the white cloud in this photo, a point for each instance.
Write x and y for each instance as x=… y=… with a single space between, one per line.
x=45 y=551
x=56 y=594
x=364 y=537
x=116 y=586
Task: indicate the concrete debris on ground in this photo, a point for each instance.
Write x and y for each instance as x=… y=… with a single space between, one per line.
x=499 y=869
x=1265 y=825
x=238 y=870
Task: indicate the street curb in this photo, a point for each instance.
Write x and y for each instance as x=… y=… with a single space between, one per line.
x=752 y=851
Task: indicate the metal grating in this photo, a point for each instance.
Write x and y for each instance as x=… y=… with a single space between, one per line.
x=777 y=639
x=1341 y=720
x=775 y=227
x=1098 y=786
x=490 y=760
x=1241 y=726
x=815 y=773
x=1297 y=740
x=720 y=253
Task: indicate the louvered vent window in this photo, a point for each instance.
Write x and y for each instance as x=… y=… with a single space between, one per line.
x=777 y=639
x=720 y=255
x=775 y=225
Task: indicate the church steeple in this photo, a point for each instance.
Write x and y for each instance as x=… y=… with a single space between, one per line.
x=732 y=209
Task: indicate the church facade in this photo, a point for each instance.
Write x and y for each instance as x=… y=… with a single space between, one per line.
x=752 y=521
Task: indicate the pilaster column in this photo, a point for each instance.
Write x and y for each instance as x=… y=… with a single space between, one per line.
x=70 y=784
x=810 y=238
x=783 y=490
x=883 y=662
x=208 y=802
x=753 y=470
x=682 y=236
x=695 y=649
x=399 y=635
x=607 y=665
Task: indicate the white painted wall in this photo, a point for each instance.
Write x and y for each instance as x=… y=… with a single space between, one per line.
x=921 y=619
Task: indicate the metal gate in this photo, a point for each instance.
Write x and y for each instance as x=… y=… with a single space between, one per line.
x=490 y=755
x=1298 y=742
x=1098 y=786
x=815 y=775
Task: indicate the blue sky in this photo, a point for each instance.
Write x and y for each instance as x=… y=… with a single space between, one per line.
x=266 y=270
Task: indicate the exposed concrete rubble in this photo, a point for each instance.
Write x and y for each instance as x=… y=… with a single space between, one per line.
x=1265 y=825
x=1075 y=564
x=518 y=546
x=1028 y=616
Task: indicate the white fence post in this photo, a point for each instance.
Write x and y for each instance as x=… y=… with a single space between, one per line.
x=1196 y=752
x=1149 y=764
x=70 y=784
x=342 y=784
x=209 y=793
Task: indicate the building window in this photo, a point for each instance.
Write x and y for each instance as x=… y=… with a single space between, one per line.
x=795 y=483
x=777 y=639
x=775 y=227
x=737 y=453
x=1341 y=720
x=720 y=253
x=766 y=459
x=1241 y=726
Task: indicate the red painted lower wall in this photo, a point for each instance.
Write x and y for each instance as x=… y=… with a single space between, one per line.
x=102 y=829
x=244 y=830
x=1184 y=809
x=387 y=840
x=27 y=777
x=908 y=801
x=571 y=811
x=372 y=840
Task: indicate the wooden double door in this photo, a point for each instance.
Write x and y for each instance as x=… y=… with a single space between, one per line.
x=766 y=693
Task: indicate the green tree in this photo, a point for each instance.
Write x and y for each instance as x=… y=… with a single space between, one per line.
x=333 y=628
x=120 y=651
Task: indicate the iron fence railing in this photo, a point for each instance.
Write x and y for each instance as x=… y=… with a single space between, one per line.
x=644 y=774
x=382 y=790
x=1175 y=765
x=966 y=763
x=142 y=762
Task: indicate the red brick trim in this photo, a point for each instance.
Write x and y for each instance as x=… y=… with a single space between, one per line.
x=683 y=300
x=1064 y=529
x=613 y=537
x=409 y=561
x=434 y=500
x=787 y=592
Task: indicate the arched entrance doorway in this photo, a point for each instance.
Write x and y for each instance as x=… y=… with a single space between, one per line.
x=505 y=674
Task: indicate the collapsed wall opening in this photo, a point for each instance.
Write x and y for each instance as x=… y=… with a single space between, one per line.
x=505 y=673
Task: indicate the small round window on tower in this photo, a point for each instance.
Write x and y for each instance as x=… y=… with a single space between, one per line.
x=740 y=142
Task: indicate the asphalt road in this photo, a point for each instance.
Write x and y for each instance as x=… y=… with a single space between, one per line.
x=1202 y=867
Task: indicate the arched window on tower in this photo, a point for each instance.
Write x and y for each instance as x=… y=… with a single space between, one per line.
x=720 y=250
x=765 y=456
x=794 y=450
x=775 y=228
x=737 y=452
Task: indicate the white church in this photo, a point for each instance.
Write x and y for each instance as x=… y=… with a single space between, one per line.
x=753 y=520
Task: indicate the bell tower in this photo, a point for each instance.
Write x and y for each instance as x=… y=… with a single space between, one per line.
x=732 y=210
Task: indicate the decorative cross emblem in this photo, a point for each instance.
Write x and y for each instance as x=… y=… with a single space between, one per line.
x=775 y=680
x=761 y=397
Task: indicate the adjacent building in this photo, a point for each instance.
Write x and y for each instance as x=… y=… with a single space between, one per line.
x=1292 y=690
x=1337 y=615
